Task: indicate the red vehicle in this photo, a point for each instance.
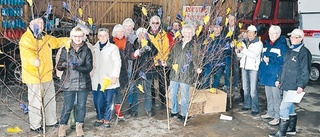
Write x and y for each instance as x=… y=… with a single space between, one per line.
x=264 y=13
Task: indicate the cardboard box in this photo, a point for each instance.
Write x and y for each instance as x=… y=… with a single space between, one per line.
x=204 y=101
x=215 y=102
x=197 y=105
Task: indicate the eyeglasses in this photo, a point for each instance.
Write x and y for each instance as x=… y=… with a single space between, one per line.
x=79 y=36
x=155 y=22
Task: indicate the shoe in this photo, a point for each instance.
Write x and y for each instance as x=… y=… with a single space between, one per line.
x=274 y=122
x=266 y=116
x=245 y=109
x=173 y=115
x=98 y=123
x=62 y=131
x=134 y=113
x=106 y=124
x=182 y=118
x=38 y=130
x=79 y=129
x=54 y=125
x=149 y=113
x=118 y=111
x=254 y=113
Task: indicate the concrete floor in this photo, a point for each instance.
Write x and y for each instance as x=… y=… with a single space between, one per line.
x=210 y=125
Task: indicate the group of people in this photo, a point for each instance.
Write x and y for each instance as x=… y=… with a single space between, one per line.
x=118 y=69
x=279 y=67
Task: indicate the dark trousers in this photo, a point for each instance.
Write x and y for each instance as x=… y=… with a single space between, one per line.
x=102 y=102
x=162 y=76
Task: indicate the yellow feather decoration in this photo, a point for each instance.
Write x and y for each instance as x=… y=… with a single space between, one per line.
x=140 y=88
x=30 y=2
x=15 y=129
x=175 y=67
x=199 y=30
x=144 y=11
x=90 y=21
x=206 y=19
x=177 y=34
x=105 y=83
x=213 y=90
x=80 y=12
x=229 y=34
x=144 y=42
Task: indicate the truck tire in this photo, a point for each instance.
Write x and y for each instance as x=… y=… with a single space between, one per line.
x=315 y=72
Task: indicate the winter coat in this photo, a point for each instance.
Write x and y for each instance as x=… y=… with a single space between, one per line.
x=161 y=42
x=235 y=33
x=215 y=52
x=59 y=73
x=250 y=54
x=268 y=72
x=76 y=67
x=188 y=60
x=295 y=71
x=125 y=55
x=32 y=49
x=108 y=65
x=143 y=64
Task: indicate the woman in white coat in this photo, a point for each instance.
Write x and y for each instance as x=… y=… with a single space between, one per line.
x=105 y=79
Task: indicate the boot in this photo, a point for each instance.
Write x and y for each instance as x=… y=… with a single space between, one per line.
x=283 y=126
x=62 y=130
x=79 y=130
x=117 y=110
x=292 y=125
x=72 y=116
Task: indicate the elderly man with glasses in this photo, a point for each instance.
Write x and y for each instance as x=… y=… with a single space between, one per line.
x=294 y=76
x=159 y=39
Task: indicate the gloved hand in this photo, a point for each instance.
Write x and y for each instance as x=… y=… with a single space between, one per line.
x=73 y=64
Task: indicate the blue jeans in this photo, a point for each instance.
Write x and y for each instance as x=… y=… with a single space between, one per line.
x=102 y=102
x=208 y=72
x=146 y=84
x=184 y=88
x=227 y=71
x=68 y=103
x=286 y=108
x=131 y=88
x=249 y=83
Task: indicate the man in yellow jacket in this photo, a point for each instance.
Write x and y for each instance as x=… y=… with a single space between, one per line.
x=36 y=63
x=160 y=40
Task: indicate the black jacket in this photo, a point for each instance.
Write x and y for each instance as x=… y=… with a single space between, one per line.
x=76 y=67
x=296 y=68
x=143 y=64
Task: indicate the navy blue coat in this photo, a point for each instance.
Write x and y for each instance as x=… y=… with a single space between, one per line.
x=268 y=73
